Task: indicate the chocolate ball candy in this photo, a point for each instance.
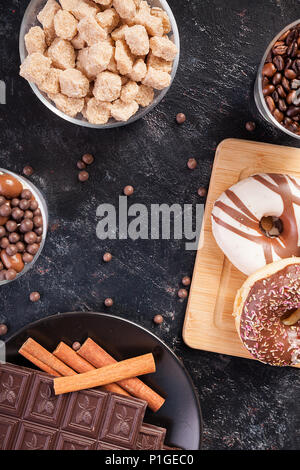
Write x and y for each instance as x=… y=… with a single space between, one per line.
x=17 y=213
x=37 y=212
x=2 y=231
x=158 y=319
x=192 y=163
x=76 y=346
x=250 y=126
x=3 y=329
x=202 y=192
x=107 y=257
x=83 y=176
x=26 y=225
x=182 y=293
x=4 y=242
x=30 y=238
x=28 y=215
x=27 y=170
x=1 y=266
x=39 y=231
x=24 y=204
x=27 y=257
x=32 y=249
x=15 y=202
x=2 y=200
x=14 y=237
x=10 y=187
x=128 y=190
x=38 y=221
x=11 y=250
x=2 y=275
x=10 y=275
x=35 y=296
x=108 y=302
x=20 y=246
x=33 y=205
x=38 y=239
x=180 y=118
x=26 y=194
x=11 y=226
x=5 y=210
x=186 y=280
x=81 y=165
x=88 y=158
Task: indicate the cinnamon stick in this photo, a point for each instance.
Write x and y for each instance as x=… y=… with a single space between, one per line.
x=39 y=363
x=79 y=364
x=139 y=365
x=37 y=351
x=98 y=357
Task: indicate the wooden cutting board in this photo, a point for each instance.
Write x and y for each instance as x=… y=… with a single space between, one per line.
x=209 y=323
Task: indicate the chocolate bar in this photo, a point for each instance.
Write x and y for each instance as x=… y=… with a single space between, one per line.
x=32 y=417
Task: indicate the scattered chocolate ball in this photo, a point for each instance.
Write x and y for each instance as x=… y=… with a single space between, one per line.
x=27 y=170
x=180 y=118
x=3 y=329
x=34 y=296
x=202 y=192
x=108 y=302
x=10 y=274
x=76 y=346
x=182 y=293
x=83 y=176
x=107 y=257
x=158 y=319
x=250 y=126
x=186 y=280
x=81 y=165
x=192 y=163
x=128 y=190
x=87 y=158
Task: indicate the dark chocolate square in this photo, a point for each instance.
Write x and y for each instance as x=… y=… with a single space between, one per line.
x=123 y=421
x=85 y=412
x=43 y=406
x=150 y=437
x=8 y=428
x=34 y=437
x=68 y=441
x=14 y=383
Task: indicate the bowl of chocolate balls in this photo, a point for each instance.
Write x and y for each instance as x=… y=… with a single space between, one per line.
x=23 y=225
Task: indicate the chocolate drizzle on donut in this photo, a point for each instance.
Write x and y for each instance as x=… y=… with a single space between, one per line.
x=286 y=244
x=261 y=329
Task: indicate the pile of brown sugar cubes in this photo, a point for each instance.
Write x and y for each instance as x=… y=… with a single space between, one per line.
x=100 y=58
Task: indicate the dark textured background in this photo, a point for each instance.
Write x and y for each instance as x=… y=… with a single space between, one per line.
x=246 y=405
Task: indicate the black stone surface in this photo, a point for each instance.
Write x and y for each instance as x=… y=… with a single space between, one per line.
x=246 y=405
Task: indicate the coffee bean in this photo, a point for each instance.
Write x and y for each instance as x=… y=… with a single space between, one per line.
x=107 y=257
x=192 y=163
x=295 y=84
x=88 y=158
x=275 y=96
x=270 y=103
x=27 y=170
x=281 y=91
x=186 y=280
x=278 y=115
x=293 y=111
x=265 y=82
x=268 y=89
x=250 y=126
x=278 y=62
x=76 y=346
x=3 y=329
x=128 y=190
x=35 y=296
x=284 y=35
x=286 y=84
x=290 y=37
x=277 y=78
x=290 y=74
x=281 y=49
x=158 y=319
x=108 y=302
x=83 y=176
x=180 y=118
x=282 y=105
x=290 y=97
x=269 y=70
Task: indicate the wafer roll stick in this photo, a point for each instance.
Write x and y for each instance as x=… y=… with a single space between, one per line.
x=38 y=352
x=39 y=364
x=97 y=356
x=139 y=365
x=69 y=357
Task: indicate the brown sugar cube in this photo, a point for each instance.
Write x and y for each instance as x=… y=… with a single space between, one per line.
x=124 y=80
x=35 y=68
x=138 y=71
x=163 y=15
x=80 y=8
x=108 y=19
x=98 y=112
x=35 y=40
x=51 y=83
x=73 y=83
x=46 y=18
x=137 y=39
x=91 y=31
x=86 y=101
x=62 y=54
x=69 y=106
x=107 y=86
x=123 y=111
x=129 y=92
x=125 y=8
x=157 y=79
x=158 y=63
x=104 y=3
x=78 y=42
x=123 y=57
x=65 y=25
x=163 y=47
x=112 y=66
x=153 y=25
x=94 y=59
x=119 y=33
x=145 y=96
x=137 y=3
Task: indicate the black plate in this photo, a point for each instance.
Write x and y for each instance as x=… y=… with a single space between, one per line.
x=181 y=413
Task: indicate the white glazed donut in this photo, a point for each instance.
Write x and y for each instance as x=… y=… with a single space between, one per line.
x=237 y=215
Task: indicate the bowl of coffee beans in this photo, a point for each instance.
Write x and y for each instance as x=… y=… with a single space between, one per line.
x=277 y=86
x=23 y=225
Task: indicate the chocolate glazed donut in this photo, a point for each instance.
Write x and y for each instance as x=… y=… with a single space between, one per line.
x=237 y=217
x=260 y=309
